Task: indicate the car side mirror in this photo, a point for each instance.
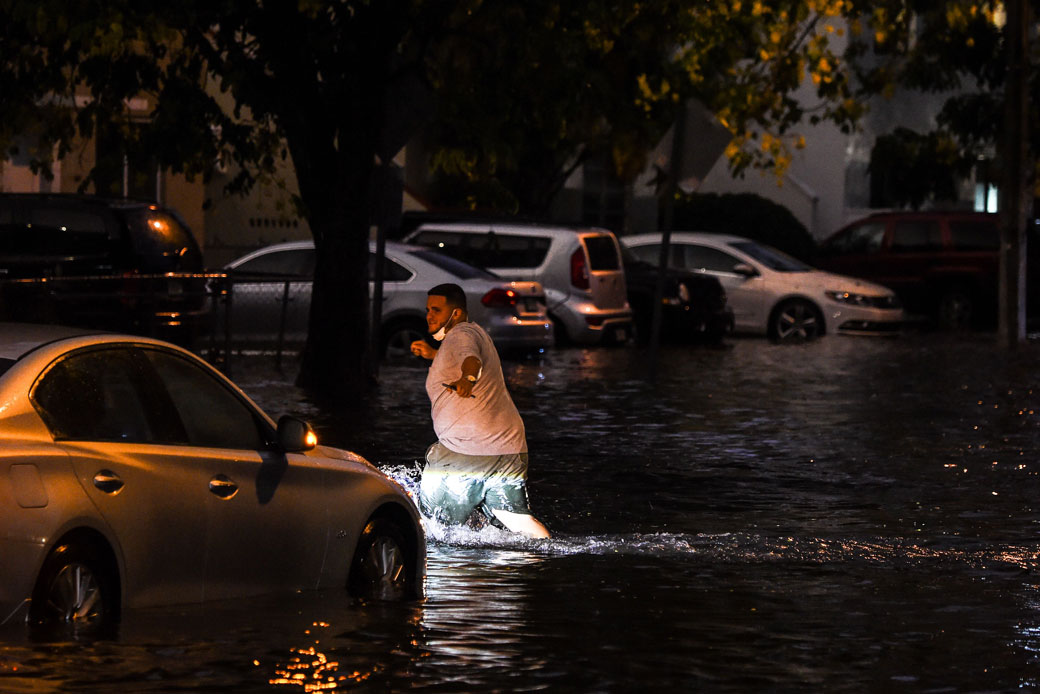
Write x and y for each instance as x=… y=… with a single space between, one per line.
x=745 y=270
x=295 y=435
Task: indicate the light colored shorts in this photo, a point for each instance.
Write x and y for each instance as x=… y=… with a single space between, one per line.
x=453 y=485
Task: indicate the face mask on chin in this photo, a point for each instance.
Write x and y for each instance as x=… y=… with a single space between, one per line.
x=443 y=330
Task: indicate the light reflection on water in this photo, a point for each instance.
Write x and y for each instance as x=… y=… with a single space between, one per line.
x=846 y=515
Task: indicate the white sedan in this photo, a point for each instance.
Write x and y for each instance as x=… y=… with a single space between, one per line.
x=774 y=294
x=133 y=474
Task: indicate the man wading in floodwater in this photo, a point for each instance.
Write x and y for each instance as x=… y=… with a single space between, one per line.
x=480 y=458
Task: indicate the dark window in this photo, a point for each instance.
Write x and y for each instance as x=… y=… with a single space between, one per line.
x=863 y=238
x=603 y=254
x=71 y=221
x=212 y=415
x=974 y=236
x=5 y=364
x=297 y=262
x=650 y=253
x=392 y=271
x=6 y=212
x=706 y=259
x=453 y=266
x=771 y=257
x=915 y=236
x=488 y=249
x=100 y=395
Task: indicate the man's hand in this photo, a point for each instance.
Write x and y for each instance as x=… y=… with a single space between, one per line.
x=463 y=387
x=421 y=348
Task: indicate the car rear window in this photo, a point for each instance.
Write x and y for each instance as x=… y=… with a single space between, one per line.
x=603 y=254
x=974 y=236
x=453 y=266
x=771 y=257
x=487 y=249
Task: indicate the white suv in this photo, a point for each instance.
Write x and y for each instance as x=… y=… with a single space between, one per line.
x=579 y=268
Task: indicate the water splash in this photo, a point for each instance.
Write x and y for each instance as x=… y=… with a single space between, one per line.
x=740 y=548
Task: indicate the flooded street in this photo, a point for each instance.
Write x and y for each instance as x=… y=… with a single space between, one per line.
x=846 y=515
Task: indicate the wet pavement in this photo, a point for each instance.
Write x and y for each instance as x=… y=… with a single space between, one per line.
x=846 y=515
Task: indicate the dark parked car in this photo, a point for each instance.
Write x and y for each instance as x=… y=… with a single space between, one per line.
x=98 y=262
x=694 y=307
x=943 y=264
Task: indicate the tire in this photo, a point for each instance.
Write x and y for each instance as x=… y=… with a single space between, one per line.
x=399 y=336
x=795 y=320
x=382 y=568
x=76 y=593
x=955 y=310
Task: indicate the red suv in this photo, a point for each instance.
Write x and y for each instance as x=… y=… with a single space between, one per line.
x=943 y=264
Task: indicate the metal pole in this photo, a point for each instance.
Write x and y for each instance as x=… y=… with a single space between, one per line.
x=1015 y=194
x=670 y=189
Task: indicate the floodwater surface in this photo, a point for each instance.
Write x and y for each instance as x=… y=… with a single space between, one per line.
x=845 y=515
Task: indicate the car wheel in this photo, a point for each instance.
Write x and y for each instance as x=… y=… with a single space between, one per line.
x=399 y=336
x=75 y=593
x=955 y=310
x=381 y=570
x=795 y=320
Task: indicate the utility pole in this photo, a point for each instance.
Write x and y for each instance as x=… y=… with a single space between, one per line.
x=1017 y=190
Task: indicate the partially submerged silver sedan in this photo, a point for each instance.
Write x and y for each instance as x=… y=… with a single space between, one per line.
x=133 y=474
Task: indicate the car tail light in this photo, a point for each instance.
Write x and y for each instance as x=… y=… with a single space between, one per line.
x=499 y=298
x=579 y=270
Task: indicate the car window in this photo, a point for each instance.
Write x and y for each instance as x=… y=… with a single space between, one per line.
x=916 y=235
x=705 y=258
x=393 y=271
x=212 y=415
x=771 y=257
x=6 y=212
x=967 y=235
x=863 y=238
x=603 y=254
x=294 y=262
x=69 y=220
x=102 y=395
x=488 y=249
x=454 y=266
x=650 y=253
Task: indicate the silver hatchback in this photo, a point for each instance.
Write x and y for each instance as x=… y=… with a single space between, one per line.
x=133 y=474
x=580 y=268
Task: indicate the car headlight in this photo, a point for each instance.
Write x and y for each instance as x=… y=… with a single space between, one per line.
x=860 y=299
x=684 y=293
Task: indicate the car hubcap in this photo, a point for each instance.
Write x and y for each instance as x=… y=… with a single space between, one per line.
x=75 y=595
x=797 y=321
x=385 y=569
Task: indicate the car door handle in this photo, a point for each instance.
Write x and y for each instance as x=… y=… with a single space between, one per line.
x=222 y=486
x=108 y=482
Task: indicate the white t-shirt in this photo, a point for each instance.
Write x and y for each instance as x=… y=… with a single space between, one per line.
x=487 y=423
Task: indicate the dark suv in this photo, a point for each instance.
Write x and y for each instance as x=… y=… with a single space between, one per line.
x=943 y=264
x=97 y=262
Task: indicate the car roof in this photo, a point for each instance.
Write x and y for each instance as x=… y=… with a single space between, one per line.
x=18 y=339
x=308 y=244
x=690 y=236
x=83 y=199
x=519 y=229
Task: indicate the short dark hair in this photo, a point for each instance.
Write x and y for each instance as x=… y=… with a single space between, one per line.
x=452 y=293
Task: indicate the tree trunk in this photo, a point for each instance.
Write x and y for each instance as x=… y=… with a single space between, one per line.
x=336 y=361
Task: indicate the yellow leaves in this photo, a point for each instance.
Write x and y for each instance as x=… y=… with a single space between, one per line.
x=648 y=95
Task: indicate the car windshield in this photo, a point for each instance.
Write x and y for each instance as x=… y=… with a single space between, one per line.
x=770 y=257
x=464 y=271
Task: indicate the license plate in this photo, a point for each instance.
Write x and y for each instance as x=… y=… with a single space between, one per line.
x=620 y=334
